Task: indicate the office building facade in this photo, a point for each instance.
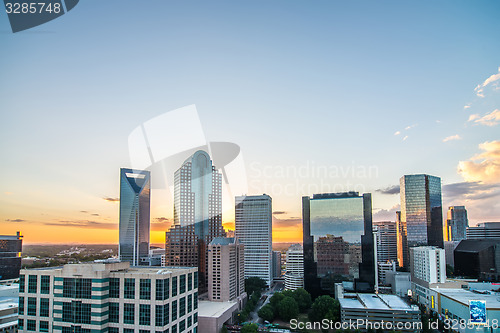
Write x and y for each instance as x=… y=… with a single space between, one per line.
x=197 y=214
x=108 y=297
x=386 y=241
x=484 y=230
x=276 y=264
x=226 y=269
x=338 y=241
x=253 y=228
x=135 y=200
x=11 y=248
x=478 y=259
x=427 y=265
x=456 y=224
x=294 y=276
x=421 y=220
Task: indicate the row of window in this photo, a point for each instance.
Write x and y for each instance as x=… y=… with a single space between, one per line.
x=33 y=283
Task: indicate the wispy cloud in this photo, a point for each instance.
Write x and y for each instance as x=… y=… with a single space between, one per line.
x=279 y=212
x=397 y=133
x=291 y=222
x=489 y=119
x=411 y=126
x=386 y=214
x=15 y=220
x=467 y=106
x=480 y=87
x=483 y=167
x=83 y=224
x=406 y=137
x=452 y=137
x=394 y=189
x=111 y=199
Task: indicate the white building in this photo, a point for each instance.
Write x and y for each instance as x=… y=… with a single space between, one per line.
x=294 y=276
x=108 y=297
x=253 y=228
x=9 y=302
x=383 y=268
x=427 y=265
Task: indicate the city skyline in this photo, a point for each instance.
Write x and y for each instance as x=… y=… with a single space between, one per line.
x=321 y=99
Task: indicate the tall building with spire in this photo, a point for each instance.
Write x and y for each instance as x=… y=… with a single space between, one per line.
x=421 y=212
x=197 y=215
x=135 y=188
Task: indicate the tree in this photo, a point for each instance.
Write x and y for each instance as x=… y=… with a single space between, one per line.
x=223 y=329
x=266 y=312
x=321 y=306
x=449 y=270
x=288 y=309
x=254 y=284
x=249 y=328
x=303 y=299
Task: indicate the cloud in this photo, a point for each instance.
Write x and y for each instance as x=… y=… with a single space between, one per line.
x=466 y=106
x=394 y=189
x=161 y=219
x=161 y=223
x=291 y=222
x=411 y=126
x=397 y=133
x=406 y=137
x=386 y=214
x=83 y=211
x=452 y=137
x=469 y=189
x=279 y=212
x=83 y=224
x=489 y=119
x=15 y=220
x=483 y=167
x=480 y=87
x=111 y=199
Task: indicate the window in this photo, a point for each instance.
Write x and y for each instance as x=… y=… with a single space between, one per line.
x=182 y=325
x=113 y=330
x=174 y=286
x=45 y=284
x=182 y=306
x=195 y=300
x=32 y=281
x=20 y=324
x=114 y=312
x=162 y=315
x=31 y=324
x=114 y=288
x=128 y=313
x=145 y=289
x=195 y=280
x=174 y=310
x=195 y=317
x=190 y=321
x=129 y=290
x=174 y=329
x=182 y=285
x=31 y=306
x=44 y=326
x=190 y=304
x=76 y=312
x=44 y=307
x=144 y=314
x=190 y=281
x=162 y=289
x=21 y=283
x=21 y=305
x=128 y=330
x=77 y=288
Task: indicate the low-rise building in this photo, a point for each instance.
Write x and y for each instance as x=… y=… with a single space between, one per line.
x=109 y=297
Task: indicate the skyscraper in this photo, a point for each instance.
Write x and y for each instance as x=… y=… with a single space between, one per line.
x=387 y=246
x=197 y=215
x=10 y=256
x=456 y=225
x=338 y=241
x=135 y=187
x=294 y=276
x=421 y=212
x=226 y=269
x=253 y=227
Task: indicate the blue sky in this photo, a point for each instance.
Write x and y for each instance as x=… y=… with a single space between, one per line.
x=327 y=83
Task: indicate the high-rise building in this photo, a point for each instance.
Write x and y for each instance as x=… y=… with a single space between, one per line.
x=226 y=269
x=135 y=187
x=478 y=259
x=108 y=297
x=10 y=256
x=427 y=265
x=294 y=276
x=403 y=255
x=421 y=212
x=276 y=264
x=387 y=245
x=253 y=227
x=456 y=224
x=197 y=215
x=490 y=230
x=338 y=241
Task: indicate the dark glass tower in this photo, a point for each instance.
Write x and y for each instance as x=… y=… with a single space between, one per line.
x=135 y=201
x=338 y=242
x=10 y=256
x=421 y=212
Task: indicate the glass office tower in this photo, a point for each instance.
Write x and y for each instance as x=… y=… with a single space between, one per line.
x=10 y=256
x=135 y=187
x=197 y=215
x=421 y=212
x=338 y=242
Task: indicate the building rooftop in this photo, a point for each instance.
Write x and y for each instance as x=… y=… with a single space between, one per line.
x=463 y=296
x=375 y=302
x=214 y=309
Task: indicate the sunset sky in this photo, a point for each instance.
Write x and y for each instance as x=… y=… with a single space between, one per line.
x=323 y=96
